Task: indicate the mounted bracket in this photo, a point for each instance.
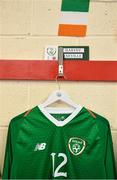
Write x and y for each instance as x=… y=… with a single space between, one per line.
x=60 y=63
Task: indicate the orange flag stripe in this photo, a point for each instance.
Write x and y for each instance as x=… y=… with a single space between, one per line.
x=72 y=30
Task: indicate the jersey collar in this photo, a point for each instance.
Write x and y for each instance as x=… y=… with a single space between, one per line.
x=55 y=121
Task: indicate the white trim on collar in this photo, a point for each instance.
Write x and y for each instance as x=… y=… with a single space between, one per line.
x=55 y=121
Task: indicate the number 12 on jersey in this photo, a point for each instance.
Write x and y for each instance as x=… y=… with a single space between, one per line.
x=56 y=171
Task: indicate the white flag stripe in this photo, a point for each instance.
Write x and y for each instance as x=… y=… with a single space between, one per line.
x=78 y=18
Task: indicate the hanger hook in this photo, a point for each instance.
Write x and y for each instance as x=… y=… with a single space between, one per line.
x=58 y=82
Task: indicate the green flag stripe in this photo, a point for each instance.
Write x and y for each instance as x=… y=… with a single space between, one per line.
x=75 y=5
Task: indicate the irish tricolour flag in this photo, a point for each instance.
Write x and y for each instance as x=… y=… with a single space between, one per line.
x=73 y=18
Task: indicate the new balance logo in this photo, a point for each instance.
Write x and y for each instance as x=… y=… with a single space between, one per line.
x=40 y=147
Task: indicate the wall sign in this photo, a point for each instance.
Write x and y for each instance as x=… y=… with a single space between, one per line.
x=75 y=52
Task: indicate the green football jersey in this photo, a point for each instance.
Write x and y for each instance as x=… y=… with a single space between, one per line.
x=59 y=146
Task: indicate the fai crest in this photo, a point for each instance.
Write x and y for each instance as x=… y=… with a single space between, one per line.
x=76 y=145
x=51 y=51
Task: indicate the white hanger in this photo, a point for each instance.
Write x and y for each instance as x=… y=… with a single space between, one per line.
x=60 y=96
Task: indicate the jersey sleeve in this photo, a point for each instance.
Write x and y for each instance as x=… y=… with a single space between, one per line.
x=13 y=130
x=110 y=159
x=8 y=156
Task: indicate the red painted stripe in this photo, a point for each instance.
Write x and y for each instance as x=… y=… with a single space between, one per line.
x=47 y=70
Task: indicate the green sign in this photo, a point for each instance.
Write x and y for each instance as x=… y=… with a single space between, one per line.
x=75 y=52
